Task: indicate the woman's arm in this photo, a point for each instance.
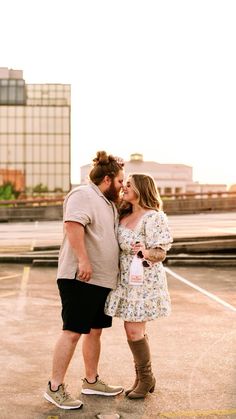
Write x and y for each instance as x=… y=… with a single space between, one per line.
x=154 y=255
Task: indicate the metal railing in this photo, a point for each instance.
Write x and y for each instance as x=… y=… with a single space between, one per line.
x=198 y=195
x=43 y=201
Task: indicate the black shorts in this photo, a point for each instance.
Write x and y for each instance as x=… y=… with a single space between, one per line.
x=83 y=305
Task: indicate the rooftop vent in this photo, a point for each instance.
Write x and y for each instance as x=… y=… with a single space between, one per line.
x=136 y=157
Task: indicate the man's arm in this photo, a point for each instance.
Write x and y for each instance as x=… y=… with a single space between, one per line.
x=75 y=234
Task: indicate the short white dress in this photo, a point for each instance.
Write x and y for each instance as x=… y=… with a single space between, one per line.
x=151 y=299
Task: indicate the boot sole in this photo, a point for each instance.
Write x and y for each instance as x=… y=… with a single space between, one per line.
x=99 y=393
x=141 y=396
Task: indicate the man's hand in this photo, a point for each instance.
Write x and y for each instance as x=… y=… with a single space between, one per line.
x=84 y=270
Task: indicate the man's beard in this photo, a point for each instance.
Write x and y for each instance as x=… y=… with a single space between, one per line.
x=111 y=193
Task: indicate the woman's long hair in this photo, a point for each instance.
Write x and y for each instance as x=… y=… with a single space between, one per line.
x=147 y=193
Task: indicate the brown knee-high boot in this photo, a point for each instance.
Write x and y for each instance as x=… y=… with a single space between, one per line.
x=136 y=375
x=142 y=359
x=135 y=381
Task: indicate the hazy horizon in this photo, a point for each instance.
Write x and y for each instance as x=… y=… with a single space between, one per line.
x=152 y=77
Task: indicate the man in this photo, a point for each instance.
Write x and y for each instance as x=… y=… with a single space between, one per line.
x=87 y=271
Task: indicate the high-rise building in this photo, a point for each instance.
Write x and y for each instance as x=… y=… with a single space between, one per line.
x=34 y=134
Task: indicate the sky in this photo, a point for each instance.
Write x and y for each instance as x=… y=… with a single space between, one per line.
x=157 y=77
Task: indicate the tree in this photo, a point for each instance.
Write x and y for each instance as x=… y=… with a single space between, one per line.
x=40 y=188
x=8 y=191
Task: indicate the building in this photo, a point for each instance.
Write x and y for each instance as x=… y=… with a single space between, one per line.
x=34 y=134
x=171 y=179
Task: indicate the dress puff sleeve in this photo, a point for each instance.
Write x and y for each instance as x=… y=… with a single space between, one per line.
x=157 y=233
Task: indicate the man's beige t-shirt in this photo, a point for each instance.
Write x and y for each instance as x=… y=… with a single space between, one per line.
x=88 y=206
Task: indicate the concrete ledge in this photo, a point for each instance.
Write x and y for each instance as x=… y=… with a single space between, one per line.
x=200 y=262
x=223 y=245
x=52 y=212
x=45 y=260
x=194 y=205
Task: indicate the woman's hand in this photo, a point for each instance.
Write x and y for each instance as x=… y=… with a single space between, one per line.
x=137 y=246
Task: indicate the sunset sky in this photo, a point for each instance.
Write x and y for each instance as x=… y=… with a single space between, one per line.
x=154 y=77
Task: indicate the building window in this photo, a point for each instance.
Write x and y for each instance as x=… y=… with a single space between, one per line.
x=12 y=92
x=35 y=137
x=168 y=191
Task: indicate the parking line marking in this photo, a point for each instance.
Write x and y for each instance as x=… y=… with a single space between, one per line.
x=8 y=294
x=25 y=279
x=22 y=296
x=196 y=287
x=32 y=245
x=199 y=413
x=9 y=276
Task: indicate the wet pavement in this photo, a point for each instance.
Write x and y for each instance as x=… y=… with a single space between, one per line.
x=28 y=235
x=193 y=350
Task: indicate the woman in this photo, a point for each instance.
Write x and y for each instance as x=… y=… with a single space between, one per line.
x=143 y=231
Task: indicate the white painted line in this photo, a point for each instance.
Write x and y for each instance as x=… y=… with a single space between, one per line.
x=22 y=296
x=32 y=245
x=25 y=278
x=8 y=294
x=196 y=287
x=33 y=242
x=9 y=276
x=198 y=413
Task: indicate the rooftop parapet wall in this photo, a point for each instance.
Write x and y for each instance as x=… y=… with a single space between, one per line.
x=52 y=209
x=193 y=206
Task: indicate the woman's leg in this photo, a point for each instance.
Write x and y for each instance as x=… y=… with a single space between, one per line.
x=138 y=343
x=134 y=331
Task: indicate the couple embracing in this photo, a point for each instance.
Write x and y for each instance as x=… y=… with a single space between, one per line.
x=110 y=264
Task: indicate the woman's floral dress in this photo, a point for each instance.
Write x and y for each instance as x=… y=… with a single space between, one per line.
x=137 y=303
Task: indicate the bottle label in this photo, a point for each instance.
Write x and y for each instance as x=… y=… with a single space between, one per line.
x=136 y=273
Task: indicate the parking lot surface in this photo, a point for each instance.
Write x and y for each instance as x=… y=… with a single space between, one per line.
x=193 y=350
x=25 y=236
